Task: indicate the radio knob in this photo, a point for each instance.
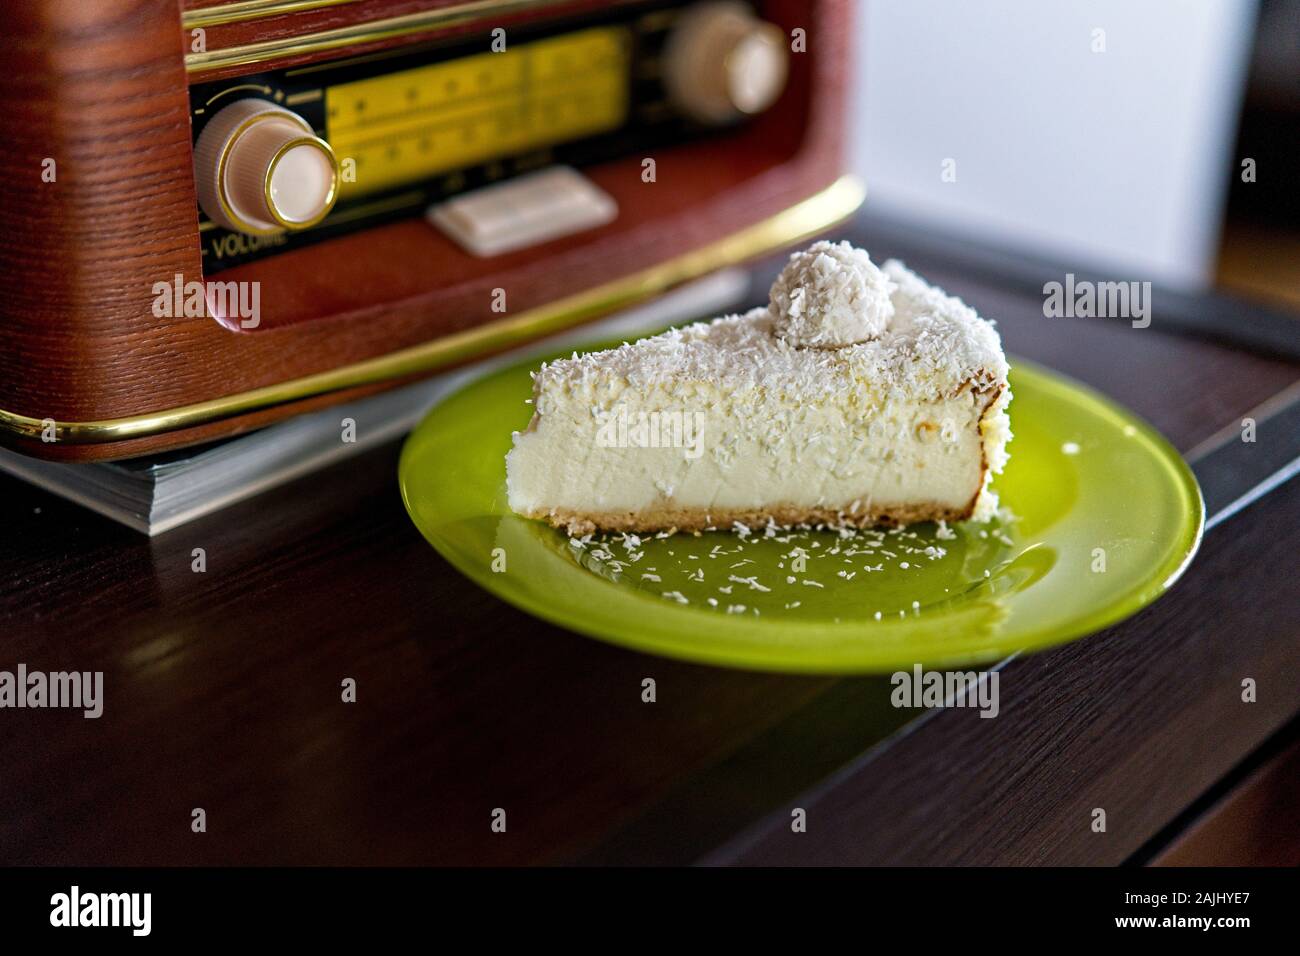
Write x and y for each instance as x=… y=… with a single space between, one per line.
x=722 y=63
x=260 y=169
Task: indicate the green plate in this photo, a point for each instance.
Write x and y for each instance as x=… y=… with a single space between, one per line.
x=1104 y=515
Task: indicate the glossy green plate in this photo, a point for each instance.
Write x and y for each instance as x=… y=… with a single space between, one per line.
x=1102 y=517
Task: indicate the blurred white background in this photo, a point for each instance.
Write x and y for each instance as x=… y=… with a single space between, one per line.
x=1117 y=160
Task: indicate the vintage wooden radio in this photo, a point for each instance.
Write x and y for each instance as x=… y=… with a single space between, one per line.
x=219 y=214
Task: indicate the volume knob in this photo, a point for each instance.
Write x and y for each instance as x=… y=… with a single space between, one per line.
x=260 y=169
x=722 y=63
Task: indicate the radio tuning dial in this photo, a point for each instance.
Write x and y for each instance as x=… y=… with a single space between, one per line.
x=722 y=63
x=260 y=169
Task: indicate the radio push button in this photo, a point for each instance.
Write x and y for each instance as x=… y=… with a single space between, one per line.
x=260 y=169
x=722 y=63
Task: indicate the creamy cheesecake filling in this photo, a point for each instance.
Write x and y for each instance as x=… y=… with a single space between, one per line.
x=746 y=453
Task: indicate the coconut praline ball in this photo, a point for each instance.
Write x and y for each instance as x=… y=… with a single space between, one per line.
x=831 y=295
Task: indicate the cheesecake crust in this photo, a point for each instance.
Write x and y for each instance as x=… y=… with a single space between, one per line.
x=783 y=516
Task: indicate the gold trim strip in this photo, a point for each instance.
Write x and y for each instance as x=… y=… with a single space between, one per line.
x=801 y=221
x=306 y=96
x=358 y=33
x=251 y=10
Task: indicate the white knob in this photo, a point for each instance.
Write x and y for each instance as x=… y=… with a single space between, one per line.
x=260 y=169
x=722 y=63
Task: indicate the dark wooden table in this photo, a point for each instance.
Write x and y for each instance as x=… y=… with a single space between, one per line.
x=223 y=688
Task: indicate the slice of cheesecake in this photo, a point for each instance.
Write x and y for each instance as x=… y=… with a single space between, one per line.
x=858 y=396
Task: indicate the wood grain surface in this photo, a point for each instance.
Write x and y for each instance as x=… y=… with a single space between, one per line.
x=223 y=688
x=308 y=22
x=1257 y=819
x=99 y=89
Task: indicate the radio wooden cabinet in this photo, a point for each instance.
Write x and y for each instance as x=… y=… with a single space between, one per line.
x=216 y=214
